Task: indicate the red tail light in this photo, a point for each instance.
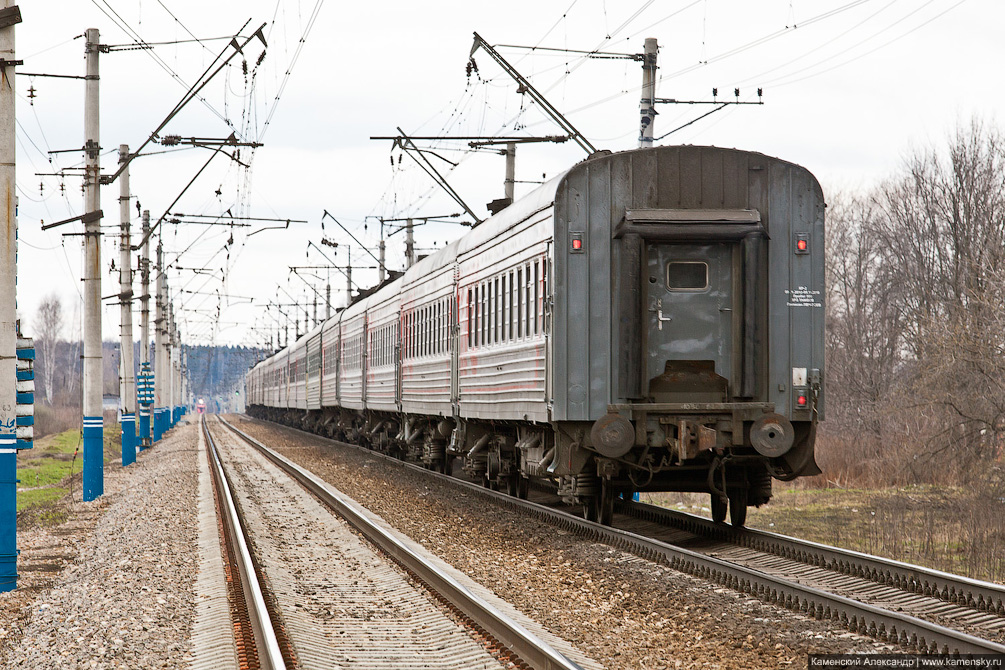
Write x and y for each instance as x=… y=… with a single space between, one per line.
x=802 y=401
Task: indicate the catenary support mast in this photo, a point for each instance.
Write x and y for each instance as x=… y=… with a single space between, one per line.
x=144 y=399
x=92 y=418
x=8 y=311
x=160 y=324
x=647 y=105
x=127 y=387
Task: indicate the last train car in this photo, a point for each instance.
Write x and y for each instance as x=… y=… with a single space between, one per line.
x=650 y=320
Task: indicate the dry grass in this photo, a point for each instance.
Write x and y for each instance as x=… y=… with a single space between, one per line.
x=50 y=420
x=955 y=529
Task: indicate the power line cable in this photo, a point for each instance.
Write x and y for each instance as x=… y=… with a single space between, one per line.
x=289 y=69
x=781 y=81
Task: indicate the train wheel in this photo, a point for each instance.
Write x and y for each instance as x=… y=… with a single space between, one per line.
x=738 y=507
x=718 y=508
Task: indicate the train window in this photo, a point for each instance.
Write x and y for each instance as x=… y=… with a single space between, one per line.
x=519 y=302
x=498 y=311
x=687 y=275
x=512 y=304
x=489 y=311
x=484 y=337
x=537 y=289
x=530 y=305
x=468 y=317
x=504 y=308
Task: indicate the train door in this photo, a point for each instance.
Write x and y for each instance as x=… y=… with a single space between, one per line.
x=455 y=347
x=691 y=302
x=396 y=339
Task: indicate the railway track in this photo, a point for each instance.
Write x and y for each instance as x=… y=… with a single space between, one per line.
x=912 y=607
x=330 y=622
x=256 y=630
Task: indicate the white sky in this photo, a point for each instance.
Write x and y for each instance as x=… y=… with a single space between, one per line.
x=849 y=88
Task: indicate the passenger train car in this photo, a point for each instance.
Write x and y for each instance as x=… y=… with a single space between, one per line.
x=650 y=320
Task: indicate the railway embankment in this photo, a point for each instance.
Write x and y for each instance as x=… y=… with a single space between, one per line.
x=113 y=581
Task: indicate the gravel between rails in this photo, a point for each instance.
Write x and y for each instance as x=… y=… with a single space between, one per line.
x=112 y=587
x=343 y=604
x=623 y=611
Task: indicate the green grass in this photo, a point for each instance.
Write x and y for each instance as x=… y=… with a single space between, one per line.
x=44 y=471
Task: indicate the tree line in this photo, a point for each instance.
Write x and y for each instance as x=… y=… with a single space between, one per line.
x=916 y=318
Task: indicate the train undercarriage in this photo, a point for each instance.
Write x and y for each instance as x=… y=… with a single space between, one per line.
x=576 y=461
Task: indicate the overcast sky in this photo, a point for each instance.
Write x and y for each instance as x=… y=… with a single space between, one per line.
x=849 y=88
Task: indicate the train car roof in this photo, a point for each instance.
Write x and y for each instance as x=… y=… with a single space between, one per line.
x=540 y=198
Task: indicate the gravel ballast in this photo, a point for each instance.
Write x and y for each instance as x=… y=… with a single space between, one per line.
x=114 y=586
x=124 y=596
x=621 y=610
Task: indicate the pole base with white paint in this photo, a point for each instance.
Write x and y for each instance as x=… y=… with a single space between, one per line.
x=8 y=510
x=128 y=439
x=94 y=457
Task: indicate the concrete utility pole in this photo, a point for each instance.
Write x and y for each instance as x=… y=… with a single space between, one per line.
x=508 y=184
x=647 y=105
x=9 y=16
x=93 y=425
x=348 y=276
x=144 y=402
x=382 y=270
x=409 y=244
x=328 y=300
x=127 y=387
x=169 y=357
x=175 y=370
x=160 y=371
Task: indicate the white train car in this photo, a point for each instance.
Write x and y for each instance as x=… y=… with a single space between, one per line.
x=351 y=367
x=502 y=287
x=313 y=371
x=382 y=364
x=298 y=375
x=428 y=308
x=330 y=361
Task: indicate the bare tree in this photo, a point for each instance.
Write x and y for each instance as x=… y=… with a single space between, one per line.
x=864 y=343
x=48 y=332
x=941 y=229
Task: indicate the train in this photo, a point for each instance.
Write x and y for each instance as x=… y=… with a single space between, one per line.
x=647 y=321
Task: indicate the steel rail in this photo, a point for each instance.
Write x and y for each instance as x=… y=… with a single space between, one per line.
x=973 y=593
x=521 y=642
x=270 y=656
x=902 y=629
